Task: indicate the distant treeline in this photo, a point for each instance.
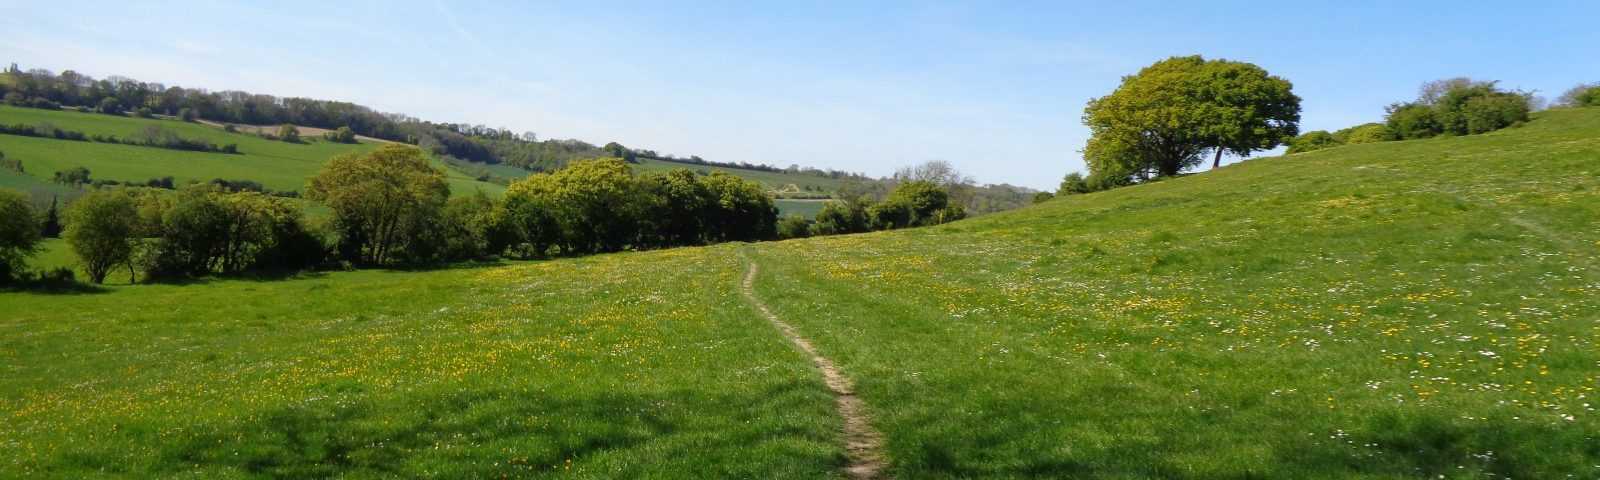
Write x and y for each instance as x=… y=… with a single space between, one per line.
x=40 y=88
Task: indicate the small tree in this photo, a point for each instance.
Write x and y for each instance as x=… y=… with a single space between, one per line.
x=289 y=133
x=110 y=106
x=100 y=230
x=187 y=114
x=794 y=226
x=19 y=234
x=837 y=218
x=1073 y=184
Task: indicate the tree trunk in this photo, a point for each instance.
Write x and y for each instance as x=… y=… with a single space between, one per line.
x=1216 y=161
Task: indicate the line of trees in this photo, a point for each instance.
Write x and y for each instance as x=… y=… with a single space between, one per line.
x=390 y=207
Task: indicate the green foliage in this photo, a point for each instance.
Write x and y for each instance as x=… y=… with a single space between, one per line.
x=472 y=228
x=110 y=106
x=1364 y=133
x=794 y=226
x=204 y=229
x=838 y=218
x=19 y=234
x=1481 y=108
x=1588 y=98
x=75 y=176
x=100 y=228
x=342 y=135
x=1413 y=121
x=383 y=203
x=1312 y=140
x=144 y=112
x=1040 y=197
x=1073 y=184
x=187 y=115
x=288 y=133
x=1458 y=107
x=1159 y=121
x=740 y=210
x=676 y=207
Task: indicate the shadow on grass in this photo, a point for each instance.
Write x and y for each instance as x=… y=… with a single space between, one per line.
x=473 y=434
x=56 y=288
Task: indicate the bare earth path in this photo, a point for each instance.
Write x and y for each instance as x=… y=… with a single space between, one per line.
x=862 y=443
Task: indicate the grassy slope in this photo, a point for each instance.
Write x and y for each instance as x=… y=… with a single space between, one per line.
x=277 y=165
x=602 y=367
x=1385 y=310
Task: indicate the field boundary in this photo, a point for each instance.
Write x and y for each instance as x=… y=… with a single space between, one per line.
x=863 y=444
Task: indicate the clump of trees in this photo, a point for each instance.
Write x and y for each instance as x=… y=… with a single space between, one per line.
x=1583 y=95
x=342 y=135
x=1455 y=106
x=1161 y=120
x=1458 y=106
x=596 y=206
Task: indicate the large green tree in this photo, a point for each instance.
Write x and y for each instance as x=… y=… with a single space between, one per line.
x=1162 y=119
x=383 y=202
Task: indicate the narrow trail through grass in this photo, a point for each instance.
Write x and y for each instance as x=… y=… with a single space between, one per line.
x=863 y=444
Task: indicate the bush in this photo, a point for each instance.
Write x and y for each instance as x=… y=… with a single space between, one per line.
x=20 y=227
x=794 y=226
x=1311 y=141
x=144 y=112
x=1365 y=133
x=1073 y=184
x=1411 y=121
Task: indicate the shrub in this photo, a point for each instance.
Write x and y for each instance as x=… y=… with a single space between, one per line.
x=1365 y=133
x=1413 y=120
x=1073 y=184
x=19 y=234
x=1312 y=140
x=794 y=226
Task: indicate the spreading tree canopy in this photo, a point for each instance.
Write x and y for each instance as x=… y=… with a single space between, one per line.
x=382 y=202
x=1162 y=119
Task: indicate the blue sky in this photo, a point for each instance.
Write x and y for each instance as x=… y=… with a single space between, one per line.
x=996 y=88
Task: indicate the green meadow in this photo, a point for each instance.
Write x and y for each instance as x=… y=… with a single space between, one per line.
x=1389 y=310
x=276 y=165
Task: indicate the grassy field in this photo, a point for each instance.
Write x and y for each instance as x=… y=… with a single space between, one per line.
x=1412 y=309
x=1394 y=310
x=276 y=165
x=527 y=370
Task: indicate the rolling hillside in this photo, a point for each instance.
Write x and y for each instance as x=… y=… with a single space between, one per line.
x=276 y=165
x=1393 y=310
